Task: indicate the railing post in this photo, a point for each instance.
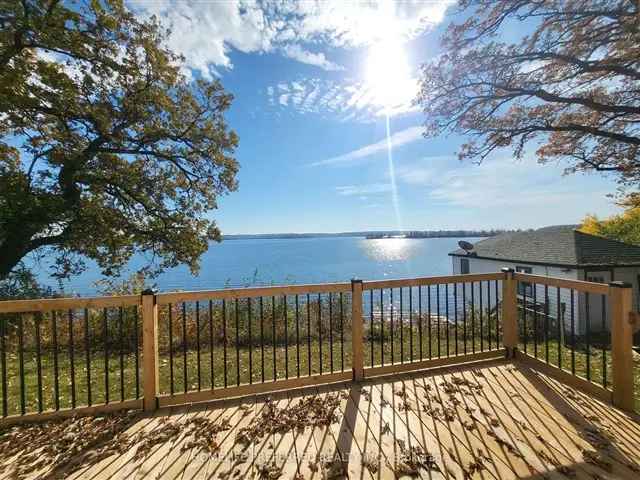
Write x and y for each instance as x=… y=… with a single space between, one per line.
x=620 y=305
x=150 y=361
x=357 y=344
x=509 y=312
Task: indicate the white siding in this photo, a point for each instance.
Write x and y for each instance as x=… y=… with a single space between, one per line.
x=481 y=265
x=629 y=275
x=555 y=301
x=625 y=274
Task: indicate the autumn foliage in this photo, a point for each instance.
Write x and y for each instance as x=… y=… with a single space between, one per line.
x=106 y=148
x=568 y=85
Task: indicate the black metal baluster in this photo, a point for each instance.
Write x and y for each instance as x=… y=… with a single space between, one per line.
x=320 y=330
x=420 y=318
x=401 y=329
x=105 y=323
x=604 y=343
x=237 y=342
x=381 y=327
x=473 y=318
x=262 y=339
x=331 y=332
x=171 y=387
x=342 y=333
x=588 y=335
x=455 y=315
x=198 y=367
x=489 y=336
x=137 y=353
x=371 y=335
x=273 y=333
x=559 y=336
x=121 y=335
x=429 y=319
x=3 y=346
x=546 y=322
x=185 y=375
x=211 y=364
x=524 y=315
x=309 y=334
x=481 y=307
x=411 y=323
x=497 y=316
x=37 y=319
x=438 y=317
x=71 y=359
x=535 y=319
x=573 y=336
x=56 y=378
x=297 y=336
x=391 y=327
x=87 y=351
x=285 y=314
x=250 y=320
x=21 y=363
x=464 y=317
x=224 y=342
x=3 y=358
x=446 y=314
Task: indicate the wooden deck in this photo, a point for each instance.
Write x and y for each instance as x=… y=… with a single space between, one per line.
x=490 y=420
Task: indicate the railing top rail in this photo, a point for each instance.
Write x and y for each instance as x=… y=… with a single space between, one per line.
x=251 y=292
x=579 y=285
x=414 y=282
x=49 y=304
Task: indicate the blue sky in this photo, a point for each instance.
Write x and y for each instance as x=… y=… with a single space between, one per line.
x=314 y=85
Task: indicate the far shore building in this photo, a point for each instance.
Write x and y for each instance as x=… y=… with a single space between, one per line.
x=558 y=251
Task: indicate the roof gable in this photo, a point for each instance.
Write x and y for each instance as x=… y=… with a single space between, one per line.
x=557 y=245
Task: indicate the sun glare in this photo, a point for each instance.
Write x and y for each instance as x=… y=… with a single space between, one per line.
x=387 y=73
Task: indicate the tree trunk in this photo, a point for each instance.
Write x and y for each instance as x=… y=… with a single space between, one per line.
x=15 y=246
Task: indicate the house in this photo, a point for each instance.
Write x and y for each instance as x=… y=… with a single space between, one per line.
x=558 y=251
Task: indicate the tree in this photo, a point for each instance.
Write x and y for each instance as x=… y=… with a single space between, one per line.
x=22 y=283
x=571 y=85
x=106 y=148
x=624 y=227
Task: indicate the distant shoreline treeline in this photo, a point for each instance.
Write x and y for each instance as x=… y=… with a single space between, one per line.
x=376 y=234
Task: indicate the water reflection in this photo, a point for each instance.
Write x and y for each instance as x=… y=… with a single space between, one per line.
x=389 y=249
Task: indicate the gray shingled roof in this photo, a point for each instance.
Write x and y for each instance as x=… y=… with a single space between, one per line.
x=560 y=245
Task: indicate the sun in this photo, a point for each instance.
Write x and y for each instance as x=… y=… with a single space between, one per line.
x=388 y=76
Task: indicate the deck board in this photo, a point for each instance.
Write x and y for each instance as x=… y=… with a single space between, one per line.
x=503 y=421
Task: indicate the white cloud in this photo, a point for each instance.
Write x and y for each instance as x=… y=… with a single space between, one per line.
x=348 y=101
x=500 y=192
x=206 y=32
x=505 y=186
x=362 y=190
x=296 y=52
x=347 y=23
x=397 y=139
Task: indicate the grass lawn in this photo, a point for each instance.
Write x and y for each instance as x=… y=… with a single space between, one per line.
x=106 y=372
x=124 y=386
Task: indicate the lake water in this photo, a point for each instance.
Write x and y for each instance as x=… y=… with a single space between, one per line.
x=302 y=260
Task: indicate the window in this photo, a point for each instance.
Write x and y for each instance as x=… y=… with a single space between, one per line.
x=464 y=265
x=524 y=288
x=595 y=278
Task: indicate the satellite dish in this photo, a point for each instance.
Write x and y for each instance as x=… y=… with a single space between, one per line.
x=466 y=246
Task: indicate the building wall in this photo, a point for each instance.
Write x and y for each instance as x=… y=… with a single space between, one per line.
x=481 y=265
x=629 y=275
x=558 y=303
x=575 y=311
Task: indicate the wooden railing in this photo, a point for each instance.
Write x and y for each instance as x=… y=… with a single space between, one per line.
x=579 y=331
x=86 y=355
